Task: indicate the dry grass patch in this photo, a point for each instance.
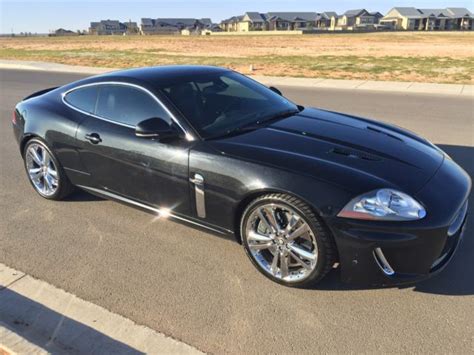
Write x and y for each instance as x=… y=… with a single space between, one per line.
x=429 y=57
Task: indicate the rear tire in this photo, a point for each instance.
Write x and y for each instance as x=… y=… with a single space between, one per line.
x=285 y=241
x=44 y=171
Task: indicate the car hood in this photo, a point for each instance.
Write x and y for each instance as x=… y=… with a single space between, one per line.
x=355 y=153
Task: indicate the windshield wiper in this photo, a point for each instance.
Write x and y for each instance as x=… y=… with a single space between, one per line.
x=258 y=124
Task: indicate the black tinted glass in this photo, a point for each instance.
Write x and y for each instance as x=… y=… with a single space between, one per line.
x=221 y=102
x=84 y=99
x=128 y=105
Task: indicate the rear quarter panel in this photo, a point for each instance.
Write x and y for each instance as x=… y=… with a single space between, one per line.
x=46 y=117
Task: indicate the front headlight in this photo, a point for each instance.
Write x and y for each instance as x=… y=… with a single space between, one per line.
x=384 y=205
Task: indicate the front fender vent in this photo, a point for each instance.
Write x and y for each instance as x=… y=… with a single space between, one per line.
x=353 y=154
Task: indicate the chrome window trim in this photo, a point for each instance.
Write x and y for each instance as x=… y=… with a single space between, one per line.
x=161 y=212
x=189 y=137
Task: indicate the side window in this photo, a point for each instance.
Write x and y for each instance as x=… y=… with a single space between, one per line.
x=84 y=99
x=127 y=105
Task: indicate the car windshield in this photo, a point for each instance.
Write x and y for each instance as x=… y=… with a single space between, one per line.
x=222 y=103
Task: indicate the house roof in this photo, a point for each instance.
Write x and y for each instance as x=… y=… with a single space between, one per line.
x=435 y=12
x=354 y=13
x=147 y=21
x=459 y=12
x=290 y=16
x=233 y=19
x=452 y=12
x=375 y=13
x=255 y=16
x=176 y=22
x=62 y=30
x=408 y=11
x=329 y=14
x=206 y=21
x=111 y=23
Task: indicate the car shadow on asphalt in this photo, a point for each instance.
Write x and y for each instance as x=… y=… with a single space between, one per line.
x=456 y=279
x=82 y=196
x=53 y=331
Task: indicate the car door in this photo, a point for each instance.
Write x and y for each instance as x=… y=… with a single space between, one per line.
x=121 y=163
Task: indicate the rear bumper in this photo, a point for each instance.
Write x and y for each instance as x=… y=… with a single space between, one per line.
x=394 y=253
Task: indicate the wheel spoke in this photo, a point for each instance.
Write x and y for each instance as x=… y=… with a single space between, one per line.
x=46 y=158
x=34 y=155
x=302 y=253
x=264 y=220
x=274 y=266
x=292 y=223
x=298 y=232
x=261 y=246
x=47 y=183
x=284 y=265
x=52 y=182
x=299 y=261
x=271 y=218
x=35 y=173
x=53 y=173
x=257 y=237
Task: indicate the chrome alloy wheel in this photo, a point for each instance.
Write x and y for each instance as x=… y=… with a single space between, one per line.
x=281 y=242
x=42 y=171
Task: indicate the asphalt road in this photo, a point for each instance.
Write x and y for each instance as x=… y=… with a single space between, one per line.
x=201 y=289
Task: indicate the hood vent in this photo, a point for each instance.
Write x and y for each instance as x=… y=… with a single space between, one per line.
x=384 y=132
x=354 y=154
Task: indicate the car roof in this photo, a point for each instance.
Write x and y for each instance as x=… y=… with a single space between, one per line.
x=159 y=74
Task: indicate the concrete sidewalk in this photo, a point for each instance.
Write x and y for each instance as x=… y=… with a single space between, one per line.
x=37 y=318
x=384 y=86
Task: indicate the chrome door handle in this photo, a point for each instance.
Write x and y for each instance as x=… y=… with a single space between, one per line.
x=94 y=138
x=197 y=180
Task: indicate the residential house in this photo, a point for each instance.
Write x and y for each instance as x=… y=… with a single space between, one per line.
x=271 y=21
x=234 y=24
x=62 y=32
x=461 y=19
x=291 y=20
x=410 y=18
x=173 y=25
x=356 y=19
x=323 y=21
x=113 y=27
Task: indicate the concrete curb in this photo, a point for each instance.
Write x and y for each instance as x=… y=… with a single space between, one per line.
x=385 y=86
x=38 y=318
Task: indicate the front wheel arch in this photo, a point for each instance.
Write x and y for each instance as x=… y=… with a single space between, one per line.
x=242 y=205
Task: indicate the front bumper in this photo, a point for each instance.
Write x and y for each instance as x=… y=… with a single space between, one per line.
x=394 y=253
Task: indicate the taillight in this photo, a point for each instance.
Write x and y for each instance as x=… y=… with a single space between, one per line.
x=14 y=117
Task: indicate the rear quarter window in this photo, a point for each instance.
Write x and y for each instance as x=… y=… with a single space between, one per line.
x=84 y=98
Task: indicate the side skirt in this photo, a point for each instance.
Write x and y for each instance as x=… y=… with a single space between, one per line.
x=161 y=212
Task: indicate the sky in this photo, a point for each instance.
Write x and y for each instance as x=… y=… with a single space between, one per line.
x=44 y=16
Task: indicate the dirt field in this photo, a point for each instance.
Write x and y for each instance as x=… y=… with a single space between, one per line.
x=423 y=57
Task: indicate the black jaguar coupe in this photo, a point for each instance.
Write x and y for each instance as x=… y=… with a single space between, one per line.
x=303 y=189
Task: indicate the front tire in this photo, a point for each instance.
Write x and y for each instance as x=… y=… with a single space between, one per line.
x=285 y=240
x=44 y=171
